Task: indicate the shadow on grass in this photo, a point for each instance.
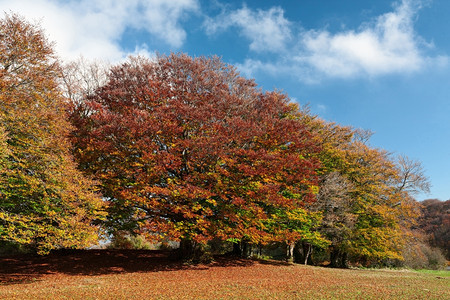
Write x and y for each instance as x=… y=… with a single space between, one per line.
x=28 y=268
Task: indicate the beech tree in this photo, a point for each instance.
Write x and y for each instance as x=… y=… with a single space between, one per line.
x=185 y=147
x=412 y=178
x=81 y=78
x=45 y=202
x=334 y=201
x=364 y=195
x=377 y=232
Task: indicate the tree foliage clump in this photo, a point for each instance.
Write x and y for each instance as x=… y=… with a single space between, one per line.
x=185 y=147
x=45 y=202
x=365 y=196
x=419 y=254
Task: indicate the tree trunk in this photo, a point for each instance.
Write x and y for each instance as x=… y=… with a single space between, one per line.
x=246 y=248
x=242 y=249
x=338 y=259
x=237 y=251
x=290 y=252
x=186 y=250
x=193 y=252
x=334 y=258
x=298 y=253
x=307 y=249
x=344 y=260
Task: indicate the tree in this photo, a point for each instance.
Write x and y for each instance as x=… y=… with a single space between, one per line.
x=377 y=233
x=412 y=178
x=335 y=202
x=364 y=195
x=46 y=202
x=187 y=148
x=435 y=222
x=81 y=78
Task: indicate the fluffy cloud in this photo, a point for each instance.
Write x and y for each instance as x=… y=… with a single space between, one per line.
x=267 y=30
x=387 y=45
x=94 y=28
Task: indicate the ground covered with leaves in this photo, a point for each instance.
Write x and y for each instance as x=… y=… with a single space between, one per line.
x=140 y=274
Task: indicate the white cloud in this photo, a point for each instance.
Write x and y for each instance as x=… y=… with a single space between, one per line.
x=389 y=45
x=250 y=67
x=386 y=45
x=280 y=67
x=142 y=50
x=93 y=28
x=160 y=17
x=267 y=30
x=322 y=107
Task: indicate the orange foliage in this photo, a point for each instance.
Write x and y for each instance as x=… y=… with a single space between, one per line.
x=44 y=201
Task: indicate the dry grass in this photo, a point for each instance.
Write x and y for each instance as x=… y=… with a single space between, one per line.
x=106 y=274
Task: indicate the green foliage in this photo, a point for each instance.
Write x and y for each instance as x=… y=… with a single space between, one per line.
x=299 y=224
x=123 y=240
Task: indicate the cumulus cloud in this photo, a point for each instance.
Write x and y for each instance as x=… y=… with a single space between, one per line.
x=267 y=30
x=386 y=45
x=95 y=28
x=280 y=67
x=160 y=17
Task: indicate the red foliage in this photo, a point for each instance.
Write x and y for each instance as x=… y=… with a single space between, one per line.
x=186 y=147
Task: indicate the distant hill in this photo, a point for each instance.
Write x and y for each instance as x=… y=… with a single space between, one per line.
x=435 y=222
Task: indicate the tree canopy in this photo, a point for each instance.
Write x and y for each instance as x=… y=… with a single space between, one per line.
x=45 y=201
x=185 y=147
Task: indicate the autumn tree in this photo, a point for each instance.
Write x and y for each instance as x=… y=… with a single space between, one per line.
x=81 y=78
x=45 y=202
x=377 y=233
x=435 y=223
x=412 y=178
x=185 y=147
x=334 y=201
x=365 y=195
x=418 y=254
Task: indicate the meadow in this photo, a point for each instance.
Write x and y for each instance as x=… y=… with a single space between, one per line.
x=140 y=274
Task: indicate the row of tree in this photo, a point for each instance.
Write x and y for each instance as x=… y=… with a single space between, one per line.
x=186 y=149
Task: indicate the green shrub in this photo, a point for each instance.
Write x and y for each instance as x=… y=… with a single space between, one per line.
x=122 y=240
x=10 y=248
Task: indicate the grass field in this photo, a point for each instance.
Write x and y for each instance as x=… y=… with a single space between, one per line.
x=131 y=274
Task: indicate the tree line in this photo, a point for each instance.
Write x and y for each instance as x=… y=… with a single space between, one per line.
x=185 y=149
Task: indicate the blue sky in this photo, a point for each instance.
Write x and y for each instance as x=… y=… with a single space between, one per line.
x=381 y=65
